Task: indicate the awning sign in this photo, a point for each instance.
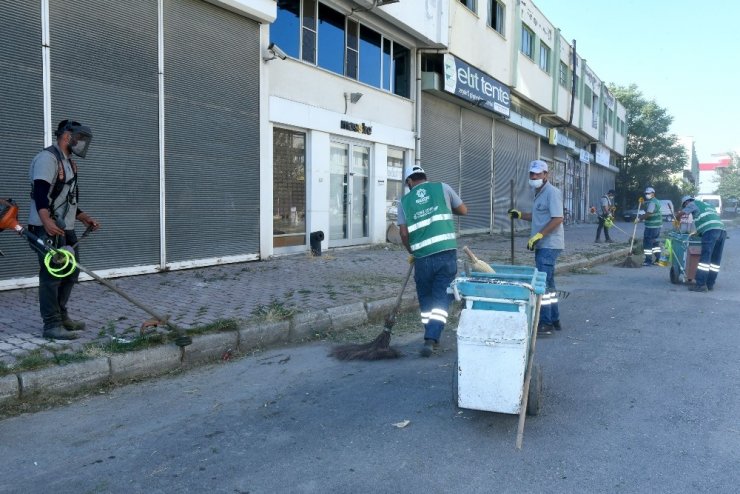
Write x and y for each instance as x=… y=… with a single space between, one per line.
x=469 y=83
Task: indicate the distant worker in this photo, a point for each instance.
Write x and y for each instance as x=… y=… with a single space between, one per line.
x=653 y=224
x=427 y=231
x=712 y=231
x=547 y=240
x=606 y=215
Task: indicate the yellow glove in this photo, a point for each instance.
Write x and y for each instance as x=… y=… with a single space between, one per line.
x=411 y=259
x=514 y=214
x=533 y=241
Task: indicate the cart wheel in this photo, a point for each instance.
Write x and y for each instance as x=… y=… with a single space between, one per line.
x=674 y=276
x=535 y=391
x=454 y=384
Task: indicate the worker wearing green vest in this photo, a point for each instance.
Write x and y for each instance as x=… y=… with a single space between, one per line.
x=427 y=228
x=712 y=231
x=653 y=224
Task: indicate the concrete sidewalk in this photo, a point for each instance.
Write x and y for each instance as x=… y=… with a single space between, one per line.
x=342 y=287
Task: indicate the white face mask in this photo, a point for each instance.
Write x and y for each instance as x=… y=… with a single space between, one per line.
x=649 y=196
x=536 y=183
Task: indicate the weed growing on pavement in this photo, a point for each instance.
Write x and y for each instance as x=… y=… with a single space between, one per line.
x=4 y=369
x=35 y=359
x=216 y=326
x=274 y=311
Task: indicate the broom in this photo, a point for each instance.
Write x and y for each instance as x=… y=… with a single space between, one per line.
x=380 y=348
x=628 y=262
x=478 y=265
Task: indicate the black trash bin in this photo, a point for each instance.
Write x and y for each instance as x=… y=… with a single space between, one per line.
x=316 y=239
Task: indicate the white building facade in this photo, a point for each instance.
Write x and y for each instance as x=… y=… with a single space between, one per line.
x=231 y=130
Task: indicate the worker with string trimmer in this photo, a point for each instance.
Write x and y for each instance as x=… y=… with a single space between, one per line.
x=53 y=212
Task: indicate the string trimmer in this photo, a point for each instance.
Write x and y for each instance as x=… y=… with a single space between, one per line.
x=61 y=262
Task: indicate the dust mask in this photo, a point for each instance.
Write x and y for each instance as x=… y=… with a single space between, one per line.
x=536 y=183
x=649 y=196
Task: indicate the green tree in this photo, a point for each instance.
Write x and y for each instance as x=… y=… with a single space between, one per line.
x=729 y=178
x=653 y=156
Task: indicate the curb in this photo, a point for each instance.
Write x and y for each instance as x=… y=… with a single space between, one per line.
x=153 y=361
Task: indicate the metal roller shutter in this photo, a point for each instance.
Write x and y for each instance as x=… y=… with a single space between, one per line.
x=505 y=168
x=476 y=173
x=104 y=74
x=212 y=131
x=600 y=181
x=513 y=151
x=21 y=122
x=440 y=140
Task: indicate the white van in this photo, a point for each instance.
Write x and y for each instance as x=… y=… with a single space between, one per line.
x=667 y=210
x=713 y=200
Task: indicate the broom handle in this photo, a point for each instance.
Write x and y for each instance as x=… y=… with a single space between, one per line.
x=511 y=227
x=394 y=312
x=528 y=373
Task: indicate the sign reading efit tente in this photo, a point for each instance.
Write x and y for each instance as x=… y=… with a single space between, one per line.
x=469 y=83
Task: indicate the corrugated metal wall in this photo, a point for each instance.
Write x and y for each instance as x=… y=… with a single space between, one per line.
x=212 y=131
x=476 y=174
x=21 y=121
x=599 y=182
x=440 y=140
x=512 y=152
x=104 y=74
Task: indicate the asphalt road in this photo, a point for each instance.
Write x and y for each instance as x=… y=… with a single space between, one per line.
x=641 y=395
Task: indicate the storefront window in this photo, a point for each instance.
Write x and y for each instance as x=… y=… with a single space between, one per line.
x=394 y=189
x=289 y=188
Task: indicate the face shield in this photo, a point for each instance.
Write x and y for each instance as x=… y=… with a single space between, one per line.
x=80 y=141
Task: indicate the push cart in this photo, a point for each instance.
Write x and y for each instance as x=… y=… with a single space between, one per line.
x=685 y=253
x=496 y=338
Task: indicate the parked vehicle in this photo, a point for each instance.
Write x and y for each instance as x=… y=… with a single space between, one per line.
x=667 y=210
x=712 y=199
x=630 y=214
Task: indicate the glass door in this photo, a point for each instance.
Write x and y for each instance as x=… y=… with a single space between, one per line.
x=349 y=206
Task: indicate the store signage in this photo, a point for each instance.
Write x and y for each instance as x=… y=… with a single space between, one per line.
x=585 y=156
x=469 y=83
x=356 y=127
x=602 y=155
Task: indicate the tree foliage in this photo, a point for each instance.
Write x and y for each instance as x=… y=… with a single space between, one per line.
x=653 y=154
x=729 y=178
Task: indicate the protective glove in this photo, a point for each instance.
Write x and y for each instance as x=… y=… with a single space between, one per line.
x=533 y=241
x=514 y=214
x=411 y=259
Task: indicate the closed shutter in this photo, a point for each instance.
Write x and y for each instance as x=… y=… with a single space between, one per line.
x=104 y=74
x=505 y=167
x=212 y=131
x=21 y=122
x=599 y=182
x=547 y=152
x=476 y=173
x=440 y=141
x=513 y=151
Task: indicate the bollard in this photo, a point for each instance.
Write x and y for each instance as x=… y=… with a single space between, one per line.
x=316 y=239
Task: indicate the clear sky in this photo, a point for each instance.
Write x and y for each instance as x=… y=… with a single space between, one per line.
x=683 y=54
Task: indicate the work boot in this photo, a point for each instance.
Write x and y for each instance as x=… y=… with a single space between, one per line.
x=545 y=329
x=71 y=325
x=698 y=288
x=597 y=241
x=609 y=241
x=427 y=349
x=556 y=326
x=58 y=333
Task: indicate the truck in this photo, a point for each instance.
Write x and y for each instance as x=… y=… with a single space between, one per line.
x=713 y=200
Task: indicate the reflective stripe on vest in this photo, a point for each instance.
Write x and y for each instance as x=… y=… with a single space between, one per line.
x=656 y=220
x=706 y=218
x=428 y=219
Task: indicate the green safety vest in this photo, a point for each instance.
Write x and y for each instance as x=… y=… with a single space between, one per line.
x=706 y=218
x=656 y=220
x=429 y=220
